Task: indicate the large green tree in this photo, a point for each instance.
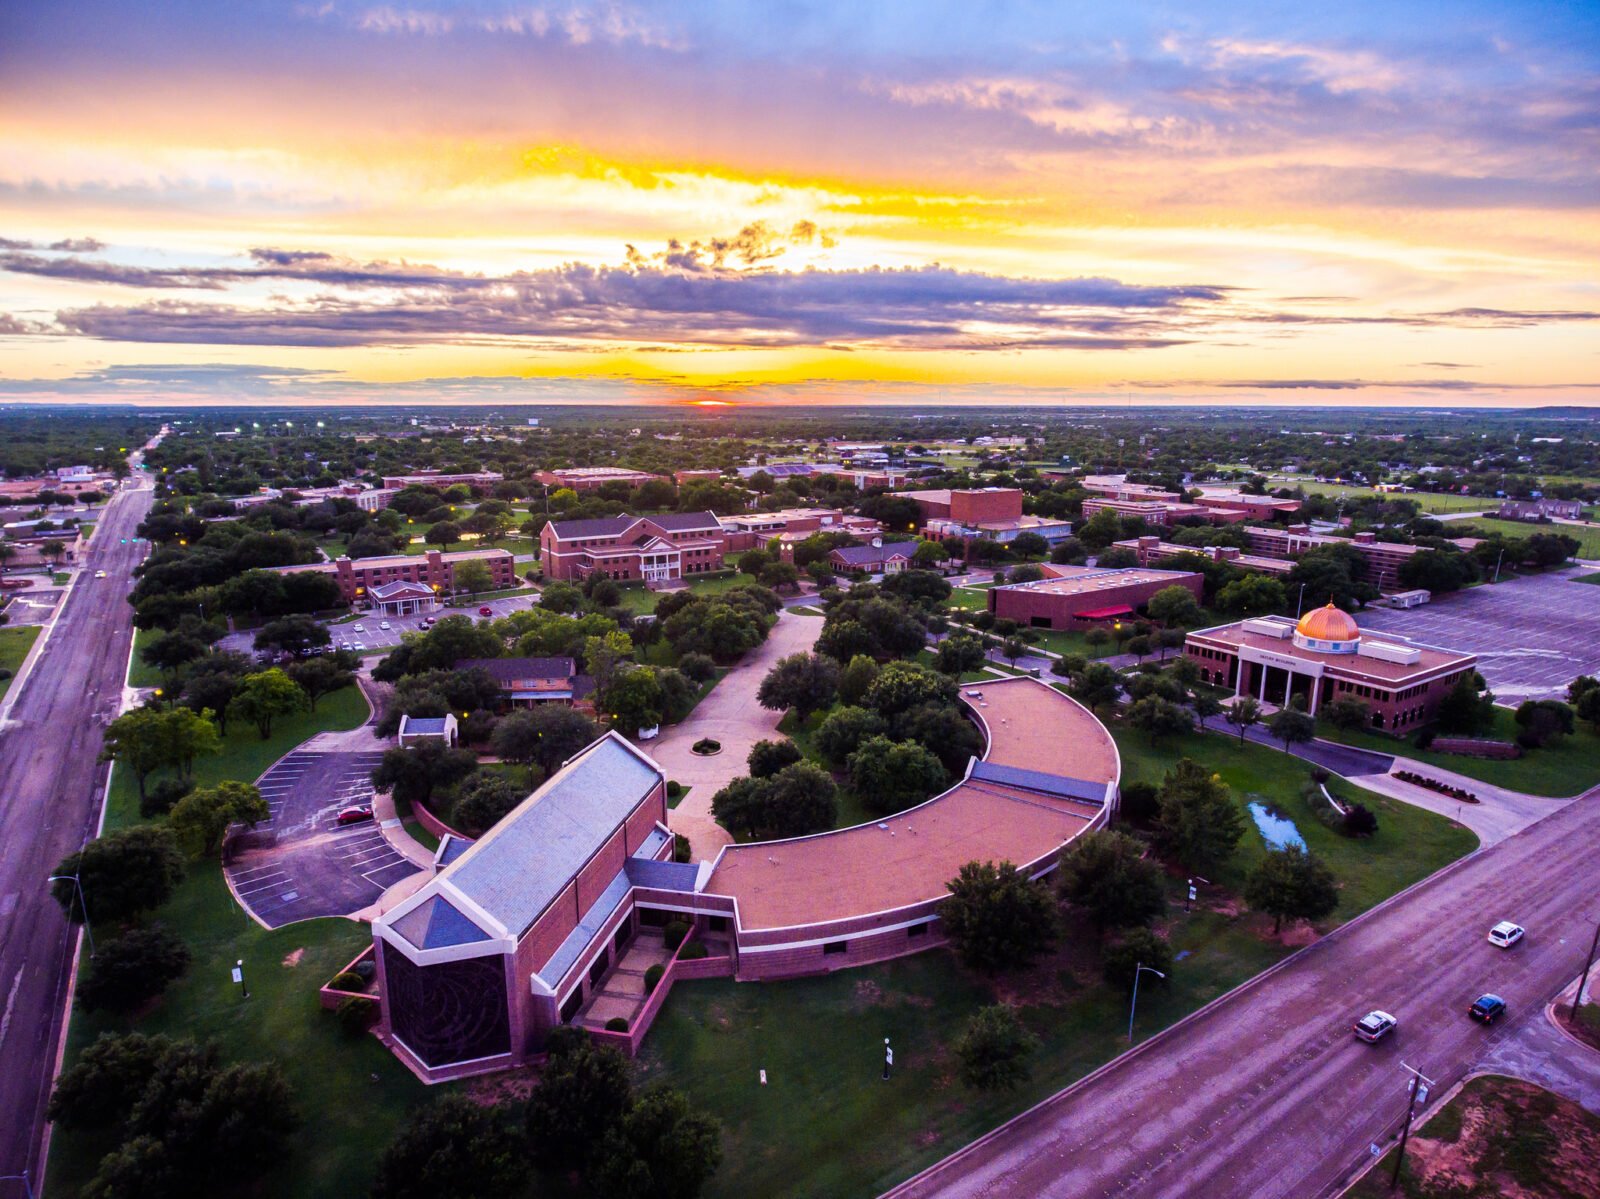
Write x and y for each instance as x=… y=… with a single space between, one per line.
x=201 y=818
x=1107 y=875
x=997 y=918
x=454 y=1148
x=1290 y=883
x=123 y=874
x=1197 y=819
x=265 y=696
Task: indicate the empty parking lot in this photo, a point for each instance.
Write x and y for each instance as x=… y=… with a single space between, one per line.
x=301 y=863
x=1533 y=635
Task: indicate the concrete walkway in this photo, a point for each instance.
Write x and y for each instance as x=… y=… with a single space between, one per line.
x=730 y=715
x=1541 y=1053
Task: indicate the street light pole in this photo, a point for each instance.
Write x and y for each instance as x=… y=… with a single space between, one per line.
x=1584 y=981
x=1138 y=969
x=1300 y=603
x=82 y=904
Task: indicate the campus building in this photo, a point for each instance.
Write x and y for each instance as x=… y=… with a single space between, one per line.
x=530 y=682
x=656 y=549
x=756 y=530
x=1253 y=507
x=990 y=513
x=1117 y=487
x=589 y=478
x=1160 y=513
x=1074 y=596
x=1151 y=551
x=434 y=478
x=360 y=580
x=1325 y=657
x=1378 y=562
x=876 y=557
x=1540 y=509
x=553 y=915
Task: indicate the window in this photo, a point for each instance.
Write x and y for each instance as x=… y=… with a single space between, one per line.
x=835 y=947
x=717 y=924
x=918 y=930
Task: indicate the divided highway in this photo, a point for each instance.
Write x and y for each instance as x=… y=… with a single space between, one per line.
x=50 y=786
x=1267 y=1095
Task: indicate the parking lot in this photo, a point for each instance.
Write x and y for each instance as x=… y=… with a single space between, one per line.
x=1533 y=635
x=301 y=862
x=372 y=635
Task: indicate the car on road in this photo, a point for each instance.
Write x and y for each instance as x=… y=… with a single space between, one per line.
x=1374 y=1026
x=485 y=611
x=1505 y=934
x=1487 y=1008
x=99 y=574
x=354 y=815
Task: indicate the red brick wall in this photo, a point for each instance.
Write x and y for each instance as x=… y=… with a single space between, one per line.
x=1000 y=504
x=1023 y=604
x=596 y=876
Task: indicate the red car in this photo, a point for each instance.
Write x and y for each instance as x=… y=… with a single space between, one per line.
x=485 y=611
x=354 y=815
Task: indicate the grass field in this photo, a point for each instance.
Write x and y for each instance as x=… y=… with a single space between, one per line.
x=14 y=647
x=1570 y=766
x=637 y=598
x=348 y=1117
x=140 y=675
x=1587 y=537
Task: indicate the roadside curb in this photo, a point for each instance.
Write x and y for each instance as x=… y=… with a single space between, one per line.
x=1123 y=1059
x=20 y=679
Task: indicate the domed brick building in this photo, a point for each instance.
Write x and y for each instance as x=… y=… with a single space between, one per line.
x=1325 y=656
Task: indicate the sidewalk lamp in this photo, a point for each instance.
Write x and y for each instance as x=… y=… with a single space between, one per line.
x=82 y=906
x=1139 y=968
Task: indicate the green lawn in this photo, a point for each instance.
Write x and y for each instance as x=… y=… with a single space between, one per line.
x=1568 y=767
x=348 y=1116
x=139 y=674
x=638 y=599
x=1428 y=501
x=14 y=647
x=1594 y=578
x=1588 y=539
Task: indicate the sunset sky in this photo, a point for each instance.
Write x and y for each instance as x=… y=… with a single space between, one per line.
x=852 y=202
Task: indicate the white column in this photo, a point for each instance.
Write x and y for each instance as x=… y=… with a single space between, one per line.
x=1238 y=677
x=1316 y=693
x=1288 y=687
x=1263 y=695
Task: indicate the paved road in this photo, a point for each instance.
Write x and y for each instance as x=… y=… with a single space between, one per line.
x=1266 y=1094
x=50 y=787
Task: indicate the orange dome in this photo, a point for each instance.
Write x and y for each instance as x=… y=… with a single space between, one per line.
x=1328 y=624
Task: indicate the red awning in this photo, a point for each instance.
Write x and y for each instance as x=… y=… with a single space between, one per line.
x=1104 y=613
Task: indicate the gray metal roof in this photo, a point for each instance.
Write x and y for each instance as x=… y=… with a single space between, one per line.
x=580 y=937
x=521 y=865
x=436 y=924
x=1037 y=780
x=424 y=725
x=862 y=554
x=663 y=876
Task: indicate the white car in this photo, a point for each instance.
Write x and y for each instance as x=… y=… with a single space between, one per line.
x=99 y=574
x=1374 y=1026
x=360 y=628
x=384 y=625
x=359 y=647
x=1505 y=934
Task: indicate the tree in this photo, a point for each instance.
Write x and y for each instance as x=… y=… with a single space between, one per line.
x=201 y=818
x=123 y=874
x=943 y=731
x=1291 y=883
x=413 y=773
x=741 y=805
x=891 y=776
x=1107 y=874
x=547 y=735
x=1160 y=718
x=265 y=696
x=633 y=700
x=321 y=676
x=800 y=799
x=454 y=1148
x=995 y=1048
x=1137 y=947
x=1141 y=647
x=187 y=735
x=583 y=1093
x=857 y=678
x=1174 y=606
x=958 y=655
x=132 y=969
x=997 y=917
x=805 y=682
x=99 y=1089
x=295 y=635
x=1252 y=595
x=1197 y=820
x=444 y=533
x=471 y=576
x=1096 y=687
x=662 y=1149
x=1463 y=709
x=1348 y=714
x=138 y=741
x=768 y=757
x=171 y=652
x=1097 y=639
x=1543 y=721
x=1587 y=707
x=1242 y=713
x=901 y=686
x=928 y=554
x=1029 y=545
x=843 y=731
x=1170 y=639
x=1292 y=726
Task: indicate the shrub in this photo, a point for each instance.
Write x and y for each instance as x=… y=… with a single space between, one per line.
x=1138 y=947
x=675 y=932
x=994 y=1050
x=1359 y=821
x=652 y=977
x=1321 y=774
x=356 y=1014
x=1139 y=804
x=693 y=952
x=706 y=746
x=617 y=1024
x=680 y=848
x=348 y=980
x=1425 y=738
x=366 y=969
x=159 y=800
x=674 y=788
x=132 y=969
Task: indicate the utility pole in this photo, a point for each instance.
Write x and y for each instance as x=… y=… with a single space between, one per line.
x=1497 y=562
x=1584 y=981
x=1417 y=1089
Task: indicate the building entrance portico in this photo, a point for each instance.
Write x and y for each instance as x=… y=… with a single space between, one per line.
x=1278 y=683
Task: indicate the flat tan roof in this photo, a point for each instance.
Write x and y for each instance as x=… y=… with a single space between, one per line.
x=1430 y=660
x=907 y=858
x=1091 y=579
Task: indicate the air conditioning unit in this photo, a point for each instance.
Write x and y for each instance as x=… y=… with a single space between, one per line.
x=1386 y=651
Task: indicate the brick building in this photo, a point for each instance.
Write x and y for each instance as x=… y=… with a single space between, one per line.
x=1152 y=551
x=589 y=478
x=755 y=530
x=1160 y=513
x=1080 y=595
x=876 y=557
x=1254 y=507
x=990 y=513
x=1325 y=657
x=550 y=916
x=1117 y=487
x=1378 y=562
x=359 y=578
x=653 y=548
x=530 y=682
x=434 y=478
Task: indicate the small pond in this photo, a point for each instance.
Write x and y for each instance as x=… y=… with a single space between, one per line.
x=1277 y=831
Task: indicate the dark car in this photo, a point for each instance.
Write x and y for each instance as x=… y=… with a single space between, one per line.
x=485 y=611
x=1488 y=1008
x=354 y=815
